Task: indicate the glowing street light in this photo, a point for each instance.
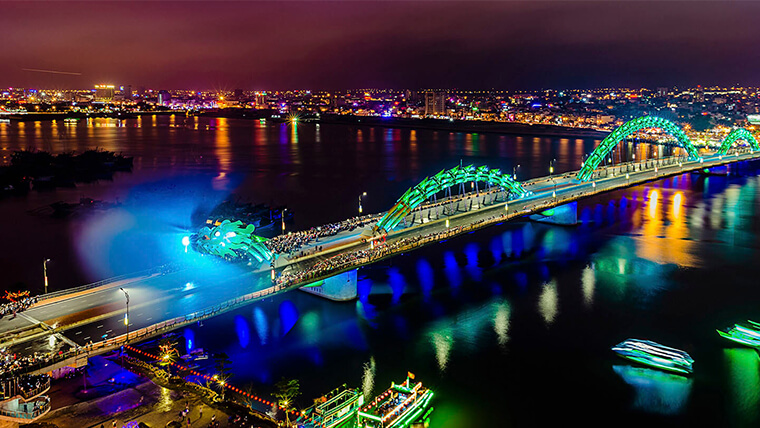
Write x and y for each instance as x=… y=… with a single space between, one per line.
x=282 y=217
x=186 y=242
x=126 y=315
x=514 y=172
x=44 y=272
x=360 y=201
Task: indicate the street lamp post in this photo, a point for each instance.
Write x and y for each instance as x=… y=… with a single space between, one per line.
x=282 y=217
x=126 y=323
x=360 y=201
x=126 y=316
x=44 y=272
x=514 y=172
x=551 y=172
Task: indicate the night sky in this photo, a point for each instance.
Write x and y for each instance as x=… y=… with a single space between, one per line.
x=337 y=45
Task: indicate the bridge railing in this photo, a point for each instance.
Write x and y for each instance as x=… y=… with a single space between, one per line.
x=283 y=283
x=149 y=331
x=145 y=272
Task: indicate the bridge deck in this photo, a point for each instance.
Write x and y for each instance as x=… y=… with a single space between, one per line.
x=85 y=317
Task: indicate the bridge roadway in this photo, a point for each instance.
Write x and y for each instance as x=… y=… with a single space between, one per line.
x=99 y=313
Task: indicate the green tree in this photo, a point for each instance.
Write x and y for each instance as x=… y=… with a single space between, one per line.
x=223 y=372
x=285 y=392
x=701 y=123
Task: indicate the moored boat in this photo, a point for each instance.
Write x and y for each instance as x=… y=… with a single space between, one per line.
x=398 y=407
x=748 y=335
x=653 y=354
x=335 y=409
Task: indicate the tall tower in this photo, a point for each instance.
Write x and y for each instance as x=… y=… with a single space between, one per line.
x=435 y=103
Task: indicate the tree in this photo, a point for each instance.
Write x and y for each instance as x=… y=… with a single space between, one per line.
x=222 y=367
x=285 y=392
x=701 y=123
x=169 y=353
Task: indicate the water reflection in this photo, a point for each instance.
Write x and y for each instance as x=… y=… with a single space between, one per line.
x=588 y=280
x=501 y=323
x=368 y=378
x=464 y=331
x=743 y=369
x=655 y=390
x=548 y=302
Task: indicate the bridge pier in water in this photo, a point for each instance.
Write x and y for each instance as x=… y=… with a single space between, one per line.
x=340 y=288
x=565 y=215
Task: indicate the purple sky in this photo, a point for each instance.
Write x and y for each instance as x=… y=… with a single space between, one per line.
x=333 y=45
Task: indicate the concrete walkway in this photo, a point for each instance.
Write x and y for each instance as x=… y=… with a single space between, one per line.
x=120 y=396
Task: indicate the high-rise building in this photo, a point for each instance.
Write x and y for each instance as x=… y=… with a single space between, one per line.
x=699 y=95
x=126 y=91
x=435 y=103
x=662 y=91
x=104 y=92
x=261 y=99
x=237 y=94
x=164 y=98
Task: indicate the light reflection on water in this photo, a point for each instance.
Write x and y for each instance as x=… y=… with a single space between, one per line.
x=548 y=303
x=469 y=315
x=655 y=390
x=743 y=367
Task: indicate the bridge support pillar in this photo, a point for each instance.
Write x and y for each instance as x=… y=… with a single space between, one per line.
x=340 y=288
x=565 y=215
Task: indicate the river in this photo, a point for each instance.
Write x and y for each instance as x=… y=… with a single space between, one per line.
x=511 y=326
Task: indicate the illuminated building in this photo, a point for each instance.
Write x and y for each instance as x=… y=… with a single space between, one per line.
x=164 y=98
x=104 y=92
x=435 y=103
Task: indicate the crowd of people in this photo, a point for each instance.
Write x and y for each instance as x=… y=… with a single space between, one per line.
x=376 y=251
x=294 y=241
x=16 y=306
x=12 y=363
x=29 y=384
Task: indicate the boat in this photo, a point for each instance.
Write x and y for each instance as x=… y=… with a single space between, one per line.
x=399 y=406
x=655 y=355
x=195 y=355
x=199 y=354
x=335 y=409
x=71 y=120
x=748 y=335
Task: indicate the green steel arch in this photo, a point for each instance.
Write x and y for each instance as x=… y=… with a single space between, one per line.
x=428 y=187
x=738 y=134
x=627 y=129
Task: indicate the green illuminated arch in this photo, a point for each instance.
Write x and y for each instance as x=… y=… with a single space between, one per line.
x=738 y=134
x=428 y=187
x=627 y=129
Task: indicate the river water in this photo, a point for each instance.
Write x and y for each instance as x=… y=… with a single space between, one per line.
x=511 y=326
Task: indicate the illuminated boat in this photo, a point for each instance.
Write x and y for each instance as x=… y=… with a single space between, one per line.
x=398 y=407
x=748 y=335
x=333 y=410
x=655 y=355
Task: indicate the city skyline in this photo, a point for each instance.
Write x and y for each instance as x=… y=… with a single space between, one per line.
x=515 y=45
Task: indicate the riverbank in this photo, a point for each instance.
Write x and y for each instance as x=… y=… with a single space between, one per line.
x=479 y=126
x=136 y=394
